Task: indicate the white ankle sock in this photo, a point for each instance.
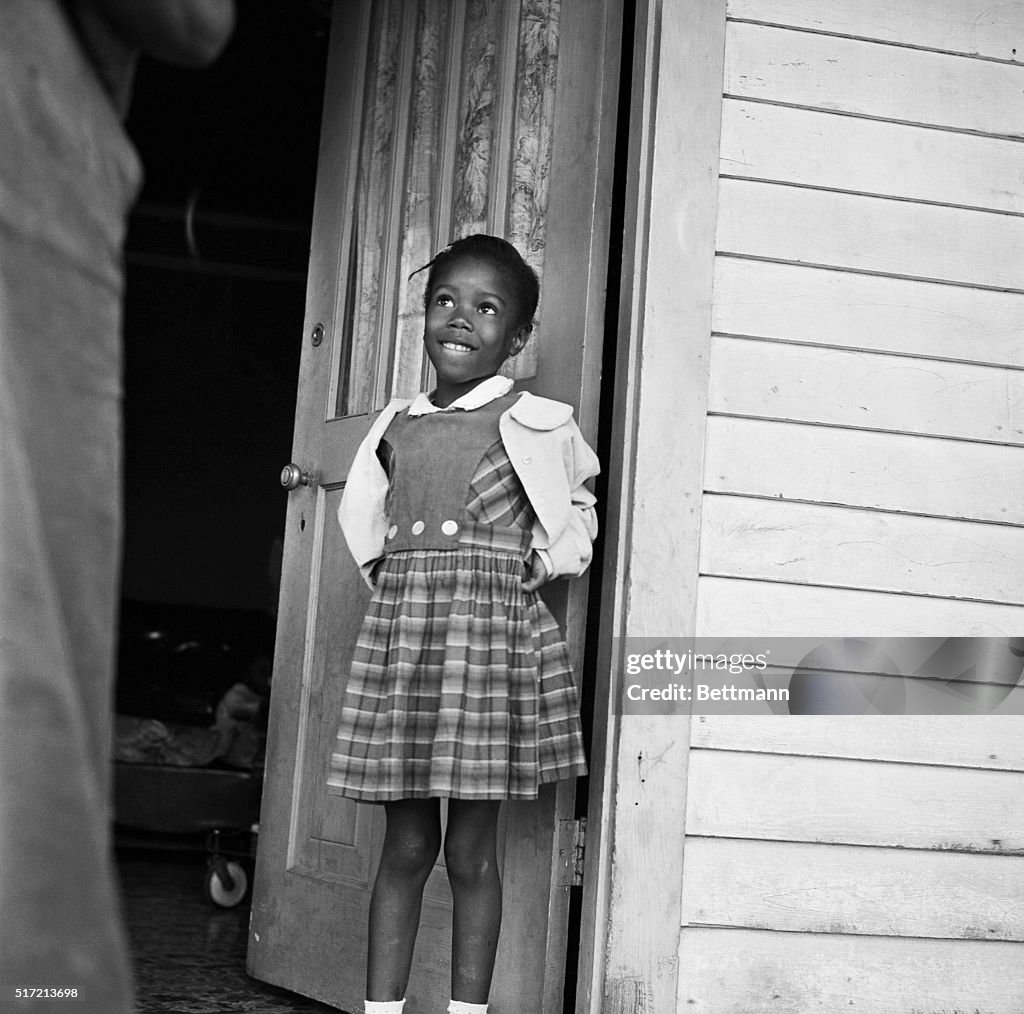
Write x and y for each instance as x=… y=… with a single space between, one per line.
x=383 y=1006
x=461 y=1007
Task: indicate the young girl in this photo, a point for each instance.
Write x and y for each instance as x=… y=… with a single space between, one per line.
x=458 y=507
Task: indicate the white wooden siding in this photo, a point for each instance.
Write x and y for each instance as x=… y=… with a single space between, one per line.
x=864 y=78
x=817 y=148
x=799 y=887
x=989 y=28
x=863 y=475
x=765 y=972
x=871 y=238
x=990 y=741
x=845 y=547
x=838 y=801
x=858 y=311
x=872 y=867
x=862 y=468
x=866 y=390
x=729 y=607
x=930 y=242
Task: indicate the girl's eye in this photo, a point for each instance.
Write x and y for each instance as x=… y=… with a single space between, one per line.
x=444 y=301
x=487 y=308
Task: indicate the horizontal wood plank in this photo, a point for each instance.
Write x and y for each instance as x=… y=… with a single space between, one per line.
x=859 y=468
x=729 y=607
x=982 y=741
x=773 y=380
x=868 y=79
x=859 y=233
x=826 y=800
x=802 y=304
x=777 y=540
x=994 y=30
x=803 y=888
x=871 y=156
x=726 y=971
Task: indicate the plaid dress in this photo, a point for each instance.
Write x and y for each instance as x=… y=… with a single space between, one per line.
x=460 y=683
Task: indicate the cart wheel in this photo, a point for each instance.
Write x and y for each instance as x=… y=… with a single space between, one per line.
x=226 y=882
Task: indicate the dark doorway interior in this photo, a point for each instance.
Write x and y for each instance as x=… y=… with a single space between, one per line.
x=216 y=264
x=216 y=267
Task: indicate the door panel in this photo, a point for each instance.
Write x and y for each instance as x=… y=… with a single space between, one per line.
x=439 y=121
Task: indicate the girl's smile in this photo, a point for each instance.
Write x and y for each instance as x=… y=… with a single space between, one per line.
x=472 y=326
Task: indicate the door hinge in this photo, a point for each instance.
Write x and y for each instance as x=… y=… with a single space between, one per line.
x=572 y=836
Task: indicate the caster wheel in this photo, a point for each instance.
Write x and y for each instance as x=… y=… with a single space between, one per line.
x=226 y=882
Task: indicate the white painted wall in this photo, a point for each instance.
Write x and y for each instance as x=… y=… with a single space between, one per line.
x=863 y=475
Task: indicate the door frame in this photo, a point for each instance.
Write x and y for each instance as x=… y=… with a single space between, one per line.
x=632 y=904
x=584 y=149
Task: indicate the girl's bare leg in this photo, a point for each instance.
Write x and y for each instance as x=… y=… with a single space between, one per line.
x=470 y=851
x=411 y=844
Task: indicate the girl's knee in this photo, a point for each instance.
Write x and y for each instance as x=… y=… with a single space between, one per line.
x=469 y=862
x=411 y=851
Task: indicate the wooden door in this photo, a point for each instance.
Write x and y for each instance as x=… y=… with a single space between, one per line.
x=442 y=118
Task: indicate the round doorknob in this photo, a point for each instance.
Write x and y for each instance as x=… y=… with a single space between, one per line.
x=292 y=477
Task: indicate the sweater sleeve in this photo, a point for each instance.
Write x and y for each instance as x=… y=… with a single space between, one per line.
x=570 y=554
x=362 y=512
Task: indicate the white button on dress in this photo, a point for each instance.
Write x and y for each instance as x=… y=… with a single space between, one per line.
x=392 y=531
x=417 y=527
x=449 y=527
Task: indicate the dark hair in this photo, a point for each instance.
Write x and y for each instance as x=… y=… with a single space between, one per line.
x=505 y=256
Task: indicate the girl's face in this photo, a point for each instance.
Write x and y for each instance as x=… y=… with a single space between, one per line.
x=471 y=326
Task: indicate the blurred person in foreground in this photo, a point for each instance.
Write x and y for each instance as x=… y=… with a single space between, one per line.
x=68 y=175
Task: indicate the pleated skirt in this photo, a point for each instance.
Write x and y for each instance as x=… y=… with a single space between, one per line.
x=461 y=684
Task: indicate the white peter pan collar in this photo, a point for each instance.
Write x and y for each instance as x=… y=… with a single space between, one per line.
x=483 y=394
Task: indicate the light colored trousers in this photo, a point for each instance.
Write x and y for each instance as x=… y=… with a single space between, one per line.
x=67 y=177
